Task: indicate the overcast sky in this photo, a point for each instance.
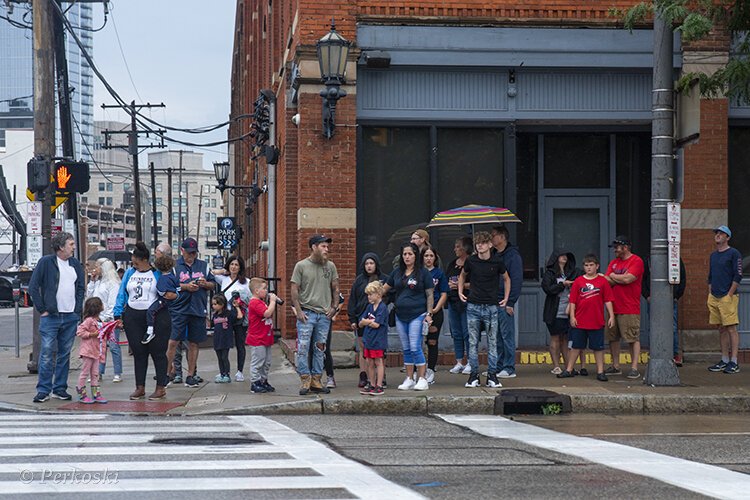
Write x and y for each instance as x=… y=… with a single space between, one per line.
x=179 y=52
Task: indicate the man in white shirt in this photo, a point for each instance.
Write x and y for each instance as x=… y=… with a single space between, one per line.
x=57 y=288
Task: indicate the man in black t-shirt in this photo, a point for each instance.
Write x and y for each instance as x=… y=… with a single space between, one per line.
x=484 y=268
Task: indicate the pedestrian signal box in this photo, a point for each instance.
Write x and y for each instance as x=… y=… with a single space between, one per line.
x=71 y=176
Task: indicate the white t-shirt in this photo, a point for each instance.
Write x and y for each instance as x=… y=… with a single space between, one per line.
x=141 y=289
x=242 y=288
x=66 y=288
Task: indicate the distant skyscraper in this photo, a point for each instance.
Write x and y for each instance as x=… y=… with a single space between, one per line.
x=17 y=78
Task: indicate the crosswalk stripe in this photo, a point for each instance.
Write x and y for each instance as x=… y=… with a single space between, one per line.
x=55 y=422
x=702 y=478
x=193 y=465
x=170 y=484
x=51 y=417
x=114 y=429
x=355 y=477
x=139 y=450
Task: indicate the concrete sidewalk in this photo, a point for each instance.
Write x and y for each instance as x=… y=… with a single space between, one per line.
x=701 y=392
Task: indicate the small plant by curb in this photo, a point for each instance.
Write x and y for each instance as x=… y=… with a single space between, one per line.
x=551 y=409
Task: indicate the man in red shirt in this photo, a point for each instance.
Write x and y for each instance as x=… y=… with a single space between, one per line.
x=625 y=275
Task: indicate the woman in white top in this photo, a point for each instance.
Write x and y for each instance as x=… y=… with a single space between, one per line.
x=232 y=281
x=137 y=293
x=105 y=284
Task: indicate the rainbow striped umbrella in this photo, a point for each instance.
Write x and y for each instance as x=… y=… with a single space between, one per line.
x=473 y=214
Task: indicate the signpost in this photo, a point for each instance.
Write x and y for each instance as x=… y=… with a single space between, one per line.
x=673 y=240
x=227 y=233
x=34 y=233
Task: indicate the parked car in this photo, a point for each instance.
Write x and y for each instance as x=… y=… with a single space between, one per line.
x=6 y=293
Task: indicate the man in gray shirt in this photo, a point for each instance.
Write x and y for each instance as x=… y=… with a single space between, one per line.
x=315 y=293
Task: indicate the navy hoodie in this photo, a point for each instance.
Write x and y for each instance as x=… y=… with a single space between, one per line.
x=357 y=296
x=513 y=263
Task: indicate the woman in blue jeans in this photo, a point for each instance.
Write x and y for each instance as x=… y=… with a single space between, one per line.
x=457 y=309
x=105 y=284
x=413 y=299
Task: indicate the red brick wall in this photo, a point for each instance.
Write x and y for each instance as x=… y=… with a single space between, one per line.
x=317 y=172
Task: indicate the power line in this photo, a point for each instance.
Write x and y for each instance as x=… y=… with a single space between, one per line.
x=122 y=53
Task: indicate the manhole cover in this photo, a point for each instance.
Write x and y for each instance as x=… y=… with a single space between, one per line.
x=207 y=440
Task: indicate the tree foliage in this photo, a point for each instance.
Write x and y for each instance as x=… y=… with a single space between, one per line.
x=695 y=20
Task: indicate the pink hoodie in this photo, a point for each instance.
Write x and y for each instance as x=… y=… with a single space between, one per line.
x=88 y=330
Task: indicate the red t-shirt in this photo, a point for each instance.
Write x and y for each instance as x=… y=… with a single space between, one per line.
x=589 y=296
x=627 y=297
x=259 y=330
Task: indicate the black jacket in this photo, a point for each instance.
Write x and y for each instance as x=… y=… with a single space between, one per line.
x=552 y=288
x=357 y=297
x=678 y=290
x=44 y=282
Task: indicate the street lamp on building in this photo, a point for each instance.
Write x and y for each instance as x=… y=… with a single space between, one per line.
x=221 y=171
x=333 y=51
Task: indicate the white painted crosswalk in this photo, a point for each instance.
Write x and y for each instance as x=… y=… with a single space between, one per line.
x=209 y=458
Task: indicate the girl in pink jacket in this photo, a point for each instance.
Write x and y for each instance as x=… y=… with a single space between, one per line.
x=89 y=351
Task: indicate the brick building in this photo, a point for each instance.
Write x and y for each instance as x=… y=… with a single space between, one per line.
x=540 y=106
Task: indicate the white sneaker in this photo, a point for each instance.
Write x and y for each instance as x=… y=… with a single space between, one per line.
x=117 y=378
x=506 y=374
x=239 y=377
x=467 y=369
x=556 y=370
x=407 y=385
x=458 y=368
x=430 y=376
x=422 y=384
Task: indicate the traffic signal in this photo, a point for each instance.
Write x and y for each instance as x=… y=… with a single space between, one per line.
x=37 y=174
x=71 y=176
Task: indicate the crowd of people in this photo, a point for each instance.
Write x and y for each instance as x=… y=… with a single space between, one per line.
x=163 y=310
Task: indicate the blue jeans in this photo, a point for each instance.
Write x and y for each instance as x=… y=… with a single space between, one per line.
x=314 y=331
x=506 y=348
x=459 y=331
x=114 y=348
x=481 y=316
x=57 y=332
x=410 y=334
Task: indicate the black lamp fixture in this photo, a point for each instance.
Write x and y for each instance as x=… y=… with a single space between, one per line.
x=221 y=171
x=333 y=51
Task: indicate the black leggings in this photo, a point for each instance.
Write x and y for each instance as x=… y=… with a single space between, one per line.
x=432 y=350
x=223 y=356
x=134 y=322
x=240 y=333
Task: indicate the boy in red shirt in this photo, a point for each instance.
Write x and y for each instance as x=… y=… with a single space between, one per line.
x=589 y=295
x=260 y=334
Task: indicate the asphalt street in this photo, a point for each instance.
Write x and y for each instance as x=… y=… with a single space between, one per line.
x=83 y=456
x=8 y=326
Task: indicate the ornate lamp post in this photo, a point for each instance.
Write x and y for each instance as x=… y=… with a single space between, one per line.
x=333 y=51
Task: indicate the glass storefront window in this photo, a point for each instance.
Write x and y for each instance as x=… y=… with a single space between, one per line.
x=576 y=161
x=527 y=204
x=739 y=192
x=394 y=185
x=634 y=190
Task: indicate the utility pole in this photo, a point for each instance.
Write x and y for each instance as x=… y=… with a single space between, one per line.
x=169 y=206
x=153 y=203
x=661 y=370
x=200 y=208
x=44 y=129
x=179 y=202
x=133 y=109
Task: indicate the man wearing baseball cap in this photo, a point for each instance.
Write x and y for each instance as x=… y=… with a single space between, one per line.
x=189 y=315
x=625 y=275
x=315 y=295
x=724 y=276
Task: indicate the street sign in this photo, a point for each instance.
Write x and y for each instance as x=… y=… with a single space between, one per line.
x=57 y=227
x=70 y=226
x=59 y=200
x=226 y=233
x=217 y=261
x=673 y=223
x=33 y=248
x=34 y=218
x=115 y=243
x=674 y=263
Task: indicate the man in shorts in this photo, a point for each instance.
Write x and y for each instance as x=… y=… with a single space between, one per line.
x=724 y=276
x=189 y=315
x=625 y=276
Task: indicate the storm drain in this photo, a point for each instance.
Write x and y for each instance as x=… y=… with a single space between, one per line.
x=531 y=402
x=237 y=440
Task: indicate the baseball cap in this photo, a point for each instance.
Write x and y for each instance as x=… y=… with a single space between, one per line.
x=319 y=238
x=724 y=229
x=621 y=240
x=190 y=245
